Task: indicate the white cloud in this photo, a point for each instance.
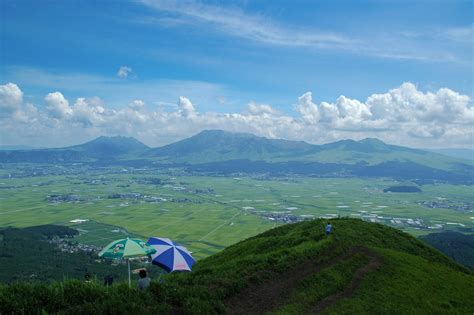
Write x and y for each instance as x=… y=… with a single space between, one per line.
x=18 y=120
x=27 y=114
x=136 y=104
x=186 y=108
x=57 y=105
x=404 y=115
x=238 y=23
x=257 y=109
x=124 y=72
x=307 y=109
x=428 y=45
x=119 y=92
x=89 y=112
x=11 y=97
x=407 y=103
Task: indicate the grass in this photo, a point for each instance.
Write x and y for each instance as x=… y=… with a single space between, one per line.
x=423 y=286
x=413 y=278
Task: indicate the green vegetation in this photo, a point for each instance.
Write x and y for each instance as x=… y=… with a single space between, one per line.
x=206 y=213
x=207 y=201
x=361 y=268
x=458 y=246
x=33 y=254
x=402 y=189
x=217 y=145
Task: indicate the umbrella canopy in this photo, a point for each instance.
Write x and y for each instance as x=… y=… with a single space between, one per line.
x=126 y=248
x=170 y=256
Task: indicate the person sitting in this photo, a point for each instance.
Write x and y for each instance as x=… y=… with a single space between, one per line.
x=108 y=280
x=328 y=228
x=144 y=281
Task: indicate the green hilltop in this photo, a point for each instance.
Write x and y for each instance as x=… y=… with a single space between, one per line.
x=362 y=268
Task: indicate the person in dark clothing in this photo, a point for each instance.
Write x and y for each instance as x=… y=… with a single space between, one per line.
x=108 y=280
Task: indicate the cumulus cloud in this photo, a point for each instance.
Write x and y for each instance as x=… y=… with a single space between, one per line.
x=254 y=108
x=11 y=97
x=307 y=109
x=407 y=103
x=186 y=108
x=57 y=105
x=89 y=112
x=136 y=104
x=12 y=108
x=404 y=115
x=124 y=72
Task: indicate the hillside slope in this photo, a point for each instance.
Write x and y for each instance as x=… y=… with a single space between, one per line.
x=217 y=151
x=294 y=269
x=217 y=145
x=458 y=246
x=100 y=148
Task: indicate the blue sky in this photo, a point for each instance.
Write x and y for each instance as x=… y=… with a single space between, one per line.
x=224 y=55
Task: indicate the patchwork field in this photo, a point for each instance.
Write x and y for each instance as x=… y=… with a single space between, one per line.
x=207 y=213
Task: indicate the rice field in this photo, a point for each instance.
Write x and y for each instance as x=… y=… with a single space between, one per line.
x=207 y=213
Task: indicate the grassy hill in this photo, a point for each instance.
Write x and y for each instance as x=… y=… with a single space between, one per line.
x=294 y=269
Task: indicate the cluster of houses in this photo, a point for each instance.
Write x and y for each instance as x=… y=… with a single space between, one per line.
x=150 y=199
x=282 y=217
x=137 y=196
x=63 y=198
x=66 y=245
x=448 y=204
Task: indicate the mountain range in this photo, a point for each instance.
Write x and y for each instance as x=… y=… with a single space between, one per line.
x=217 y=151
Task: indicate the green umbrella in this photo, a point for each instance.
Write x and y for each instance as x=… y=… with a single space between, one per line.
x=126 y=248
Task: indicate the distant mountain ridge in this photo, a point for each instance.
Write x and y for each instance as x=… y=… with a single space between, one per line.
x=217 y=151
x=217 y=145
x=248 y=144
x=467 y=154
x=100 y=148
x=16 y=147
x=111 y=146
x=221 y=145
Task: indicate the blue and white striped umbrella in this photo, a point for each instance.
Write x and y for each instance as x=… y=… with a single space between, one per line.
x=170 y=256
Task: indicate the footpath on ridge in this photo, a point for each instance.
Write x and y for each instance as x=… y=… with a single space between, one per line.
x=269 y=296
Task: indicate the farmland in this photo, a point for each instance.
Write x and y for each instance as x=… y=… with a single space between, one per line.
x=208 y=213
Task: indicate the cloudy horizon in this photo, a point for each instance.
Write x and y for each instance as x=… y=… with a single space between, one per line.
x=403 y=115
x=161 y=71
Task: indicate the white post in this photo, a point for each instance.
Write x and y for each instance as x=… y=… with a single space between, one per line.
x=129 y=281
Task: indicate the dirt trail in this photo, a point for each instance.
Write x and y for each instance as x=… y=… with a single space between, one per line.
x=374 y=263
x=261 y=299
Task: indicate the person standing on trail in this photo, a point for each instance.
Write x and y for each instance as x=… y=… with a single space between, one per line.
x=328 y=228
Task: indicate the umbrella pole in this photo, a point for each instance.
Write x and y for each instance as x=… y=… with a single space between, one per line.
x=129 y=281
